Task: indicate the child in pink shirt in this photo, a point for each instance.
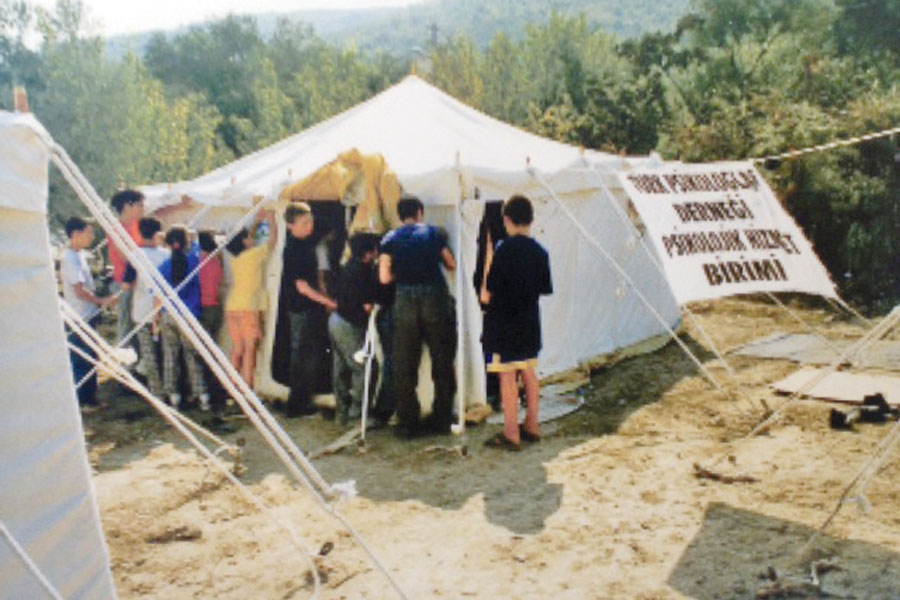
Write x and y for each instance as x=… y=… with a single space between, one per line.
x=211 y=276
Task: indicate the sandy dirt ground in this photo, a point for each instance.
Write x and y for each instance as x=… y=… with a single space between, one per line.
x=606 y=506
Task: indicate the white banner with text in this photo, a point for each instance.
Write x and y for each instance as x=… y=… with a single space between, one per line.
x=720 y=231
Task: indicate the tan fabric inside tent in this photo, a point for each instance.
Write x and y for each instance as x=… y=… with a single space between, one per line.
x=354 y=178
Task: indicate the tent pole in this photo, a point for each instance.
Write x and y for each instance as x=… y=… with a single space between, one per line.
x=292 y=457
x=369 y=351
x=104 y=356
x=108 y=358
x=137 y=326
x=656 y=263
x=459 y=427
x=876 y=333
x=852 y=311
x=860 y=481
x=618 y=268
x=32 y=567
x=803 y=323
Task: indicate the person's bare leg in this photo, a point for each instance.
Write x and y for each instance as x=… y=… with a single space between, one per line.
x=509 y=395
x=249 y=367
x=532 y=397
x=237 y=353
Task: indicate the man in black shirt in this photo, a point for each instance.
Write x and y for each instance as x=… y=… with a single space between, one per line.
x=355 y=292
x=411 y=256
x=305 y=303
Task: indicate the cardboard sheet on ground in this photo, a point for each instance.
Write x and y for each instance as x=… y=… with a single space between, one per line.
x=557 y=400
x=810 y=349
x=842 y=386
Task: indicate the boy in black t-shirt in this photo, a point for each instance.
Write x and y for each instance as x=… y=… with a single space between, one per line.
x=517 y=274
x=305 y=304
x=355 y=293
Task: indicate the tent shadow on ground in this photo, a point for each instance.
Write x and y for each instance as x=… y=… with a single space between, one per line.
x=731 y=553
x=517 y=494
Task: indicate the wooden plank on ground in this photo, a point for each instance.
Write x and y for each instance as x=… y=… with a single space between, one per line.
x=842 y=386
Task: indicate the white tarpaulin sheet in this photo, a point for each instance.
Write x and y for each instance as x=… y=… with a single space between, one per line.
x=720 y=231
x=46 y=496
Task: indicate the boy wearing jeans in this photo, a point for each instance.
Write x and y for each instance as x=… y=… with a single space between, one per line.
x=80 y=293
x=517 y=274
x=355 y=294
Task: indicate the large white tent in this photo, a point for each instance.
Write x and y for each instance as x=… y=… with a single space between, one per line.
x=455 y=158
x=47 y=506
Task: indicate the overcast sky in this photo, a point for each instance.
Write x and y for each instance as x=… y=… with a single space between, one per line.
x=127 y=16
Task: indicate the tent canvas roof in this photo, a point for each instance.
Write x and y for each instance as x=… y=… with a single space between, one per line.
x=416 y=127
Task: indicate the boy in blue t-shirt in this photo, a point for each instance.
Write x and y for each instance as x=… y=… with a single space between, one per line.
x=517 y=275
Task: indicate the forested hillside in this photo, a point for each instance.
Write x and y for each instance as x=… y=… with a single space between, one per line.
x=733 y=79
x=404 y=31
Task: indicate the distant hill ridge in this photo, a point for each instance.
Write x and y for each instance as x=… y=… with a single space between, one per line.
x=397 y=30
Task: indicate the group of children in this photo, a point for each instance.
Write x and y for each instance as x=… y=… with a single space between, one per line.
x=400 y=276
x=140 y=313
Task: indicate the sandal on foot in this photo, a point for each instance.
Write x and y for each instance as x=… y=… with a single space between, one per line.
x=527 y=436
x=502 y=442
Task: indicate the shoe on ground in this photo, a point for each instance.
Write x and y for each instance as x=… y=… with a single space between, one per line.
x=90 y=407
x=404 y=432
x=204 y=402
x=432 y=425
x=501 y=442
x=377 y=422
x=528 y=436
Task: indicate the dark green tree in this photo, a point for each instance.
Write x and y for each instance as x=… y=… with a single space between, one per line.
x=19 y=65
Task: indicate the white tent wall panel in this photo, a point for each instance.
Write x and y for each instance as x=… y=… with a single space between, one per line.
x=468 y=307
x=593 y=311
x=47 y=500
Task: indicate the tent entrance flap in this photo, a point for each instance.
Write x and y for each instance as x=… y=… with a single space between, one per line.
x=364 y=181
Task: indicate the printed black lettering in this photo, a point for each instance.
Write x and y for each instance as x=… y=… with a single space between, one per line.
x=683 y=213
x=737 y=271
x=790 y=244
x=712 y=274
x=780 y=269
